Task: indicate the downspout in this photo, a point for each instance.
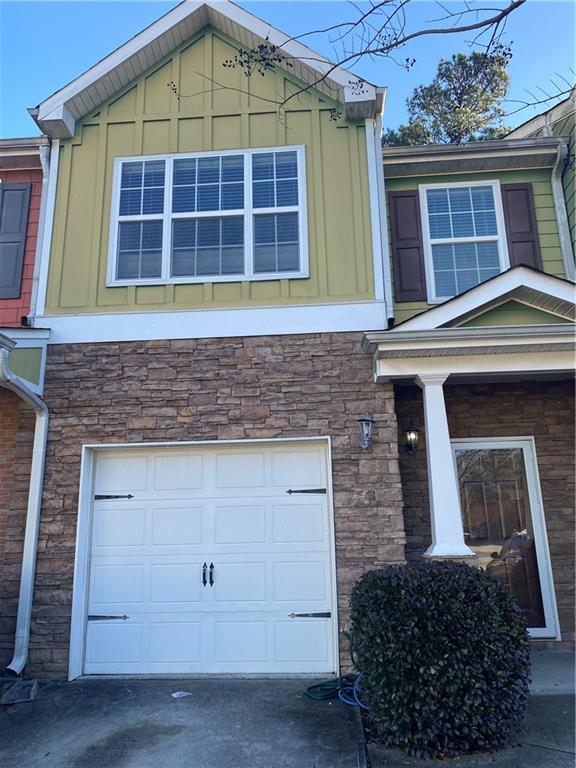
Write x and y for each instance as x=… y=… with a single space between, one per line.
x=10 y=381
x=45 y=163
x=388 y=295
x=561 y=213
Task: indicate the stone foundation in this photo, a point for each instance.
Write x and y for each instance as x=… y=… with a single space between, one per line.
x=216 y=389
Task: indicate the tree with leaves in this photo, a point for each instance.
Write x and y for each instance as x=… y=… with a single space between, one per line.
x=462 y=103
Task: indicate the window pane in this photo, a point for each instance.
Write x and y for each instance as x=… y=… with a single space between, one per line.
x=263 y=195
x=265 y=229
x=232 y=197
x=130 y=202
x=262 y=166
x=232 y=168
x=208 y=197
x=287 y=192
x=208 y=246
x=465 y=256
x=485 y=222
x=462 y=225
x=288 y=258
x=184 y=199
x=208 y=170
x=437 y=200
x=440 y=226
x=460 y=199
x=443 y=257
x=139 y=250
x=482 y=198
x=286 y=165
x=154 y=173
x=265 y=258
x=153 y=200
x=466 y=279
x=276 y=246
x=131 y=175
x=287 y=227
x=488 y=256
x=185 y=171
x=445 y=283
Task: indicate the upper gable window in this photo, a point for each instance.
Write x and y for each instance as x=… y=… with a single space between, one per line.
x=209 y=217
x=464 y=237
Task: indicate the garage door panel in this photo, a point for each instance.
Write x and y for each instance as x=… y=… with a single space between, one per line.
x=176 y=642
x=300 y=581
x=113 y=642
x=302 y=523
x=116 y=473
x=117 y=584
x=302 y=641
x=177 y=526
x=297 y=469
x=239 y=582
x=240 y=641
x=176 y=583
x=116 y=526
x=240 y=470
x=178 y=472
x=240 y=524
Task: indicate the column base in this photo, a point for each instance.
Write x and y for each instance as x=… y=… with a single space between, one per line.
x=449 y=552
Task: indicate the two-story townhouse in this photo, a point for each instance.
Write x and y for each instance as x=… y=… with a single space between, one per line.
x=213 y=253
x=233 y=352
x=23 y=174
x=482 y=356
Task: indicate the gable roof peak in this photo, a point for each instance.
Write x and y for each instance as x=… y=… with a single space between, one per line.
x=57 y=114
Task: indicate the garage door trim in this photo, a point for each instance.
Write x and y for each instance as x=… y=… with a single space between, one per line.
x=84 y=528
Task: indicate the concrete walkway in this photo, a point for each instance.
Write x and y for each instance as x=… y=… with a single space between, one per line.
x=225 y=723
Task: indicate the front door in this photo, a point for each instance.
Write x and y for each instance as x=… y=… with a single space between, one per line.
x=504 y=525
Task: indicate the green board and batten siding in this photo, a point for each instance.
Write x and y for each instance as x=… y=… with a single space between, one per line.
x=545 y=216
x=219 y=108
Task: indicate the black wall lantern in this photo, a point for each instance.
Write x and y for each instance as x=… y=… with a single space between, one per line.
x=411 y=445
x=365 y=425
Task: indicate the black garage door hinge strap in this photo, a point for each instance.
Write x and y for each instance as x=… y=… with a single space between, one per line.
x=100 y=617
x=321 y=615
x=308 y=490
x=103 y=496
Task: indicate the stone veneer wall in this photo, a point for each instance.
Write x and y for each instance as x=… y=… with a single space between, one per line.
x=216 y=389
x=16 y=436
x=544 y=410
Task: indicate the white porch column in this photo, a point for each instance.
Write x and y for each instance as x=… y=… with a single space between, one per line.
x=445 y=514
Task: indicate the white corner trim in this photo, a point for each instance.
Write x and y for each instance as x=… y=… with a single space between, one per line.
x=562 y=214
x=46 y=228
x=80 y=583
x=213 y=323
x=375 y=215
x=489 y=291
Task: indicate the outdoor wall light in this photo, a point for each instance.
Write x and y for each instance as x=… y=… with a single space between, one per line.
x=411 y=444
x=365 y=424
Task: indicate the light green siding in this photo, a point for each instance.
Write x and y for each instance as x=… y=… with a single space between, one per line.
x=219 y=108
x=513 y=313
x=26 y=362
x=540 y=179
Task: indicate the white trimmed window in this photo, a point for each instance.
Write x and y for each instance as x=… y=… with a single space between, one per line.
x=464 y=236
x=209 y=217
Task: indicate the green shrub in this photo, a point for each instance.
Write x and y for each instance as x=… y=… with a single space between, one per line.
x=443 y=650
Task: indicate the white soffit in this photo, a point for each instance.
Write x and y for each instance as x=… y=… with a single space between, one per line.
x=57 y=114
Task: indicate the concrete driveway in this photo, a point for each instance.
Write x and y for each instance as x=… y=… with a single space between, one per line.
x=224 y=723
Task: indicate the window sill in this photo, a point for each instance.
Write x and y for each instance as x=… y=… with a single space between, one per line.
x=205 y=280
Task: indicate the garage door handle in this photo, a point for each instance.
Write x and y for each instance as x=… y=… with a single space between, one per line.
x=211 y=574
x=204 y=569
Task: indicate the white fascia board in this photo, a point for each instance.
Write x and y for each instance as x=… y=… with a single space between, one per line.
x=486 y=364
x=551 y=116
x=489 y=291
x=18 y=335
x=213 y=323
x=362 y=99
x=459 y=346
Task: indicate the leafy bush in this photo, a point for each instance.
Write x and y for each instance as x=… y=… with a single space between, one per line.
x=443 y=650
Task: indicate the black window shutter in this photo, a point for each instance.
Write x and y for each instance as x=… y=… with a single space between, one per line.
x=14 y=202
x=407 y=250
x=521 y=226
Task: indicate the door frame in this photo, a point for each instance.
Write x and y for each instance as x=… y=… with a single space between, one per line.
x=80 y=586
x=528 y=446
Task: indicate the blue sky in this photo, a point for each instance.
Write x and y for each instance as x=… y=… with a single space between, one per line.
x=44 y=45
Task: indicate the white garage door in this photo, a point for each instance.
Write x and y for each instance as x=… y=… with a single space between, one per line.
x=211 y=565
